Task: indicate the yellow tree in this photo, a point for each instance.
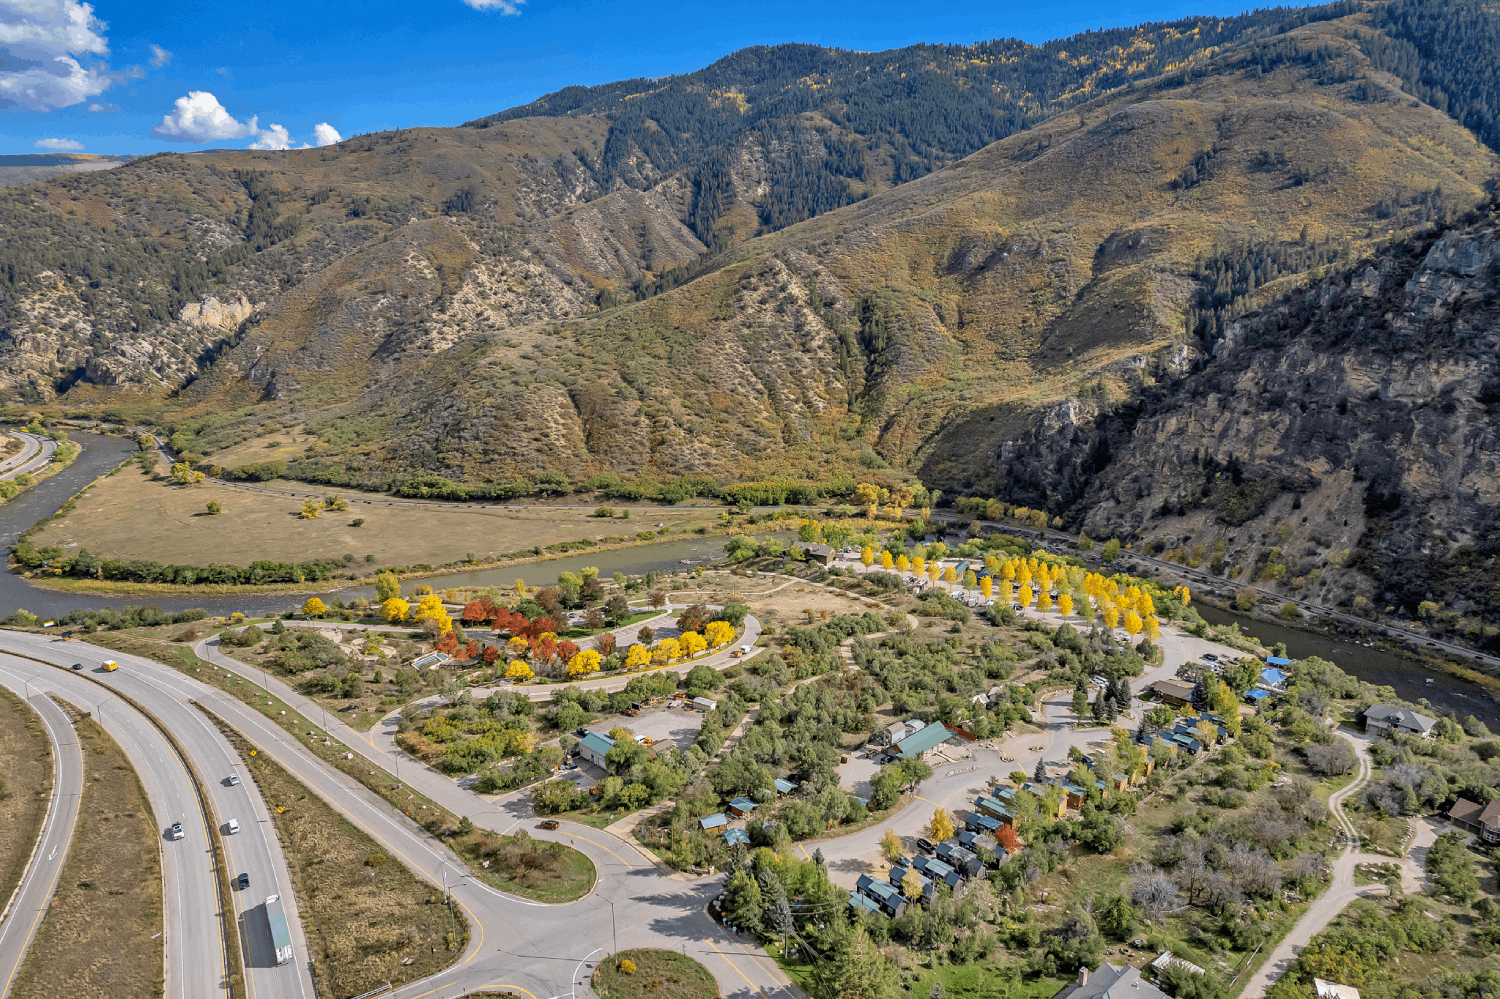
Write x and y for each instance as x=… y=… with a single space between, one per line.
x=1044 y=601
x=637 y=657
x=1065 y=605
x=886 y=562
x=1111 y=616
x=718 y=633
x=692 y=643
x=890 y=845
x=991 y=564
x=394 y=610
x=987 y=587
x=584 y=663
x=903 y=564
x=941 y=826
x=314 y=607
x=518 y=670
x=387 y=586
x=867 y=556
x=1008 y=571
x=1132 y=624
x=1024 y=597
x=1007 y=591
x=950 y=575
x=311 y=509
x=911 y=884
x=919 y=565
x=520 y=587
x=1153 y=628
x=667 y=650
x=934 y=570
x=518 y=646
x=431 y=615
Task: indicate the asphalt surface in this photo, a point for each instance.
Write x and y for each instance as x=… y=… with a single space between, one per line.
x=192 y=963
x=35 y=453
x=195 y=963
x=543 y=951
x=34 y=893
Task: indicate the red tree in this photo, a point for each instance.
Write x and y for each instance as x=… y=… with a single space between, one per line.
x=605 y=643
x=1007 y=837
x=488 y=603
x=543 y=649
x=474 y=612
x=448 y=643
x=566 y=650
x=491 y=653
x=506 y=620
x=471 y=651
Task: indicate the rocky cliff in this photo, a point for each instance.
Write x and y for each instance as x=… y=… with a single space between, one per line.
x=1342 y=442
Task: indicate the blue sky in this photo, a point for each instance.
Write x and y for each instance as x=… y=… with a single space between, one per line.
x=132 y=77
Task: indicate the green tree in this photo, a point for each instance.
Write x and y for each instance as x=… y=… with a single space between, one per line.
x=742 y=902
x=1118 y=918
x=386 y=586
x=1080 y=703
x=1111 y=550
x=214 y=509
x=857 y=971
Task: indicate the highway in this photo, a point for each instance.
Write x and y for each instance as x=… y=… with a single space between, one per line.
x=35 y=453
x=33 y=894
x=192 y=963
x=195 y=961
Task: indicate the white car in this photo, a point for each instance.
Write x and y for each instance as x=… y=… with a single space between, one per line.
x=1099 y=681
x=232 y=826
x=175 y=832
x=234 y=779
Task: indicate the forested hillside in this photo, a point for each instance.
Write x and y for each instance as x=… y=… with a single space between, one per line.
x=835 y=126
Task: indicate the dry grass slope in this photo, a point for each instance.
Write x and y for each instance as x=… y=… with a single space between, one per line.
x=26 y=766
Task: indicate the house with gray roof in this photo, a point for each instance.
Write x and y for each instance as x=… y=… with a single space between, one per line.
x=1110 y=982
x=1382 y=720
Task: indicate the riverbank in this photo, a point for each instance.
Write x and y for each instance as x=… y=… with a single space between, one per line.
x=1376 y=659
x=129 y=589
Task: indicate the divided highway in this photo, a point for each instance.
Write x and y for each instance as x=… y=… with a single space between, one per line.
x=195 y=961
x=34 y=893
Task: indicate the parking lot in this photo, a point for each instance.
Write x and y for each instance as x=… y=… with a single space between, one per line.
x=666 y=724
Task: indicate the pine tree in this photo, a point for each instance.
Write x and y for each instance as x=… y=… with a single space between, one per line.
x=1040 y=773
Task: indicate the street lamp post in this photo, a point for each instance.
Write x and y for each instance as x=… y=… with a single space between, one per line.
x=27 y=684
x=614 y=927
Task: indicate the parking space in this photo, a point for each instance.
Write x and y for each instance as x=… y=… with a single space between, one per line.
x=666 y=724
x=855 y=775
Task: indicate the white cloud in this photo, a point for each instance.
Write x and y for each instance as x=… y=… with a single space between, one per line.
x=50 y=52
x=61 y=145
x=325 y=134
x=98 y=108
x=199 y=117
x=160 y=56
x=510 y=8
x=275 y=137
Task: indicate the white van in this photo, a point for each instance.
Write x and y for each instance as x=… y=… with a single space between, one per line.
x=232 y=826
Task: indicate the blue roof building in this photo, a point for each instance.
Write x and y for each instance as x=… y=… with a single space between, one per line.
x=859 y=903
x=1257 y=695
x=742 y=806
x=784 y=786
x=713 y=823
x=978 y=823
x=898 y=875
x=885 y=895
x=992 y=807
x=1278 y=661
x=733 y=836
x=1273 y=677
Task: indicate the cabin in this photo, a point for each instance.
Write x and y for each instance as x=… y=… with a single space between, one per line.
x=1382 y=720
x=814 y=552
x=920 y=741
x=737 y=837
x=1174 y=692
x=715 y=823
x=742 y=806
x=882 y=894
x=967 y=864
x=784 y=787
x=594 y=747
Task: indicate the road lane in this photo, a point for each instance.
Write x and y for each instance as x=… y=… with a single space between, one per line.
x=34 y=893
x=193 y=957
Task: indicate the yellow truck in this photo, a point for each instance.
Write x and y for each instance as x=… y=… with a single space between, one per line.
x=111 y=666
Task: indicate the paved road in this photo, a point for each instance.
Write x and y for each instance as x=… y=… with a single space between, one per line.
x=35 y=453
x=34 y=893
x=546 y=951
x=195 y=962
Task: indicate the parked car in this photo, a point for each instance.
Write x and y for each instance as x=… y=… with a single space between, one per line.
x=242 y=882
x=175 y=832
x=925 y=846
x=1099 y=681
x=1210 y=657
x=549 y=823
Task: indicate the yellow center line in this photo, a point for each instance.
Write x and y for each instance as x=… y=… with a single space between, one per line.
x=605 y=849
x=732 y=965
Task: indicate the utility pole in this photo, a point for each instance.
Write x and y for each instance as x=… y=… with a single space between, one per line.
x=614 y=928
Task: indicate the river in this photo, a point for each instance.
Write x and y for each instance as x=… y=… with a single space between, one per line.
x=101 y=453
x=1407 y=677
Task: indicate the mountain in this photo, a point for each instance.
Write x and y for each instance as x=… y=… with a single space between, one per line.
x=31 y=167
x=1340 y=442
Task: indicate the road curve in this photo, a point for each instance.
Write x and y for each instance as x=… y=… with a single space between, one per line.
x=191 y=964
x=34 y=893
x=193 y=913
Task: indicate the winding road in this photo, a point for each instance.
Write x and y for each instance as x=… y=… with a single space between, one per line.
x=33 y=895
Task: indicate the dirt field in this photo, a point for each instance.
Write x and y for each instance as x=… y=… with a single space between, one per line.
x=25 y=778
x=128 y=515
x=363 y=912
x=97 y=941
